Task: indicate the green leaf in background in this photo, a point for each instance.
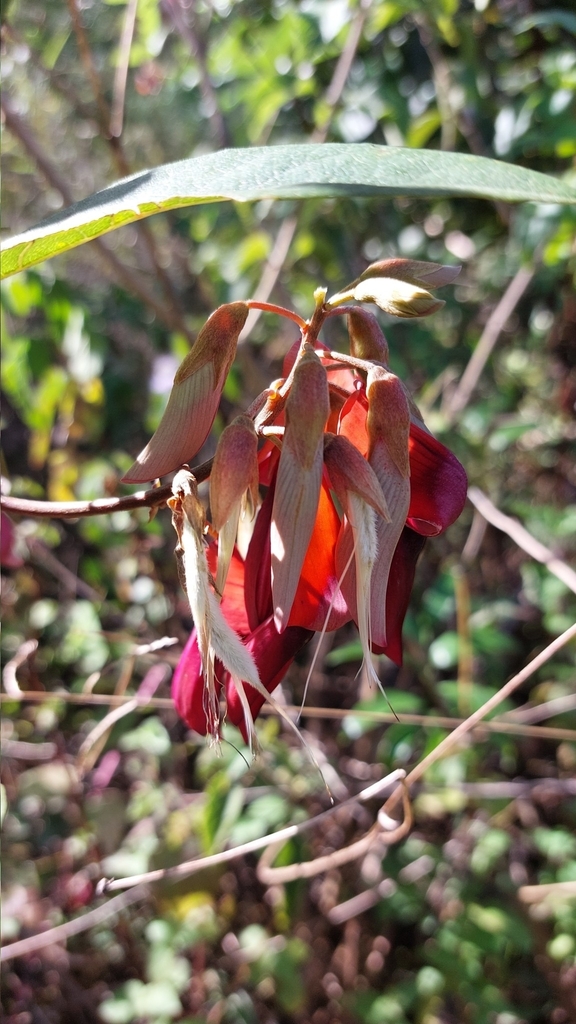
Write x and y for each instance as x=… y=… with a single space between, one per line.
x=281 y=172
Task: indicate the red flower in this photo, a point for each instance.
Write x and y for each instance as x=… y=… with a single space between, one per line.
x=352 y=485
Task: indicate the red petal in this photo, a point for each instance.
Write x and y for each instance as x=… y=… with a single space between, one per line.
x=258 y=565
x=438 y=484
x=273 y=653
x=400 y=583
x=353 y=420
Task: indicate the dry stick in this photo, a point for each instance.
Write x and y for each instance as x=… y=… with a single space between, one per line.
x=44 y=557
x=74 y=927
x=175 y=321
x=384 y=833
x=185 y=23
x=287 y=229
x=9 y=675
x=495 y=324
x=508 y=726
x=138 y=883
x=450 y=741
x=121 y=76
x=556 y=890
x=283 y=835
x=556 y=706
x=522 y=537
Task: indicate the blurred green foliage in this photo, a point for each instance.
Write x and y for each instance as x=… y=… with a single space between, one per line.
x=443 y=936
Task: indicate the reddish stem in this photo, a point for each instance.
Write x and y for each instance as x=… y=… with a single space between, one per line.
x=271 y=307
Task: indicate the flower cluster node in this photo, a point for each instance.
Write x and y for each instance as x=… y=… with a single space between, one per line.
x=340 y=478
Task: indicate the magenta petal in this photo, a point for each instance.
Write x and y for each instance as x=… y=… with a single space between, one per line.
x=438 y=484
x=273 y=653
x=188 y=687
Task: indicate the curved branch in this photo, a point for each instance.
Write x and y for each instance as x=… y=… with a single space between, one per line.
x=152 y=498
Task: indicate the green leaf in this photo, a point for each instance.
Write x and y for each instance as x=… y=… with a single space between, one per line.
x=274 y=172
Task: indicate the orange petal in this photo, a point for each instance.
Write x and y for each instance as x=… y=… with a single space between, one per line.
x=318 y=595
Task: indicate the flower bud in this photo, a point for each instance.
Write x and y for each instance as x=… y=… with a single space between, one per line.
x=194 y=398
x=234 y=470
x=367 y=340
x=388 y=420
x=419 y=272
x=399 y=298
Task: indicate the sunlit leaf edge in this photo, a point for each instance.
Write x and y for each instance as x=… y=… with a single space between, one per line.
x=275 y=172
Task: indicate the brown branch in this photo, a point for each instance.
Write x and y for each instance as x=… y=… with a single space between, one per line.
x=494 y=326
x=121 y=76
x=152 y=498
x=175 y=321
x=508 y=726
x=119 y=273
x=287 y=229
x=447 y=744
x=90 y=68
x=74 y=927
x=185 y=22
x=522 y=538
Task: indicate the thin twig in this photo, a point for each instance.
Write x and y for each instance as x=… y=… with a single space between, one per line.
x=507 y=727
x=381 y=834
x=522 y=537
x=549 y=890
x=495 y=324
x=89 y=67
x=551 y=708
x=170 y=312
x=185 y=23
x=9 y=675
x=121 y=76
x=44 y=557
x=283 y=835
x=287 y=229
x=120 y=273
x=74 y=927
x=455 y=737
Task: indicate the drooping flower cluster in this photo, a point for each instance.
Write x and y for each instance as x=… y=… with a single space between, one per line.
x=343 y=491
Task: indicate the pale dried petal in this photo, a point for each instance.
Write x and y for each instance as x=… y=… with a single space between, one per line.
x=184 y=427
